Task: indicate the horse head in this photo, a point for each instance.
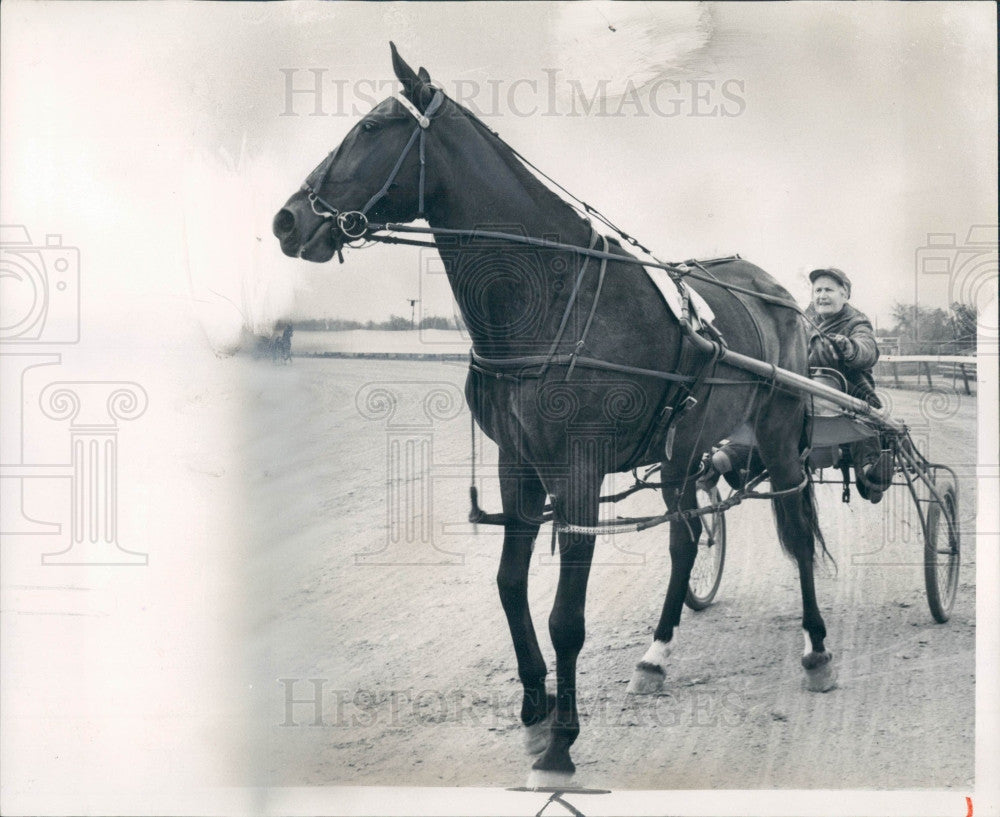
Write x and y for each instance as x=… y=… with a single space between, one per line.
x=376 y=173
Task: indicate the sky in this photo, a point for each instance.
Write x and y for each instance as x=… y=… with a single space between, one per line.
x=160 y=139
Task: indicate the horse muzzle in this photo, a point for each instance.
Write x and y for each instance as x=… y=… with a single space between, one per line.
x=316 y=234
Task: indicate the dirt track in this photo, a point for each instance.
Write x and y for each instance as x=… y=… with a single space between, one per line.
x=414 y=660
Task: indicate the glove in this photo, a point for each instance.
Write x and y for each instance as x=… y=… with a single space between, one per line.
x=844 y=346
x=822 y=353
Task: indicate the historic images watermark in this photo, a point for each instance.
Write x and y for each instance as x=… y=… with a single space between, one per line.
x=40 y=309
x=317 y=91
x=319 y=703
x=411 y=413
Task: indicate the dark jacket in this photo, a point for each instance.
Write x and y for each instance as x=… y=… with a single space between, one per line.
x=856 y=365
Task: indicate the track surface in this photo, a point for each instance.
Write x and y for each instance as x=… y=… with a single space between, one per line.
x=414 y=661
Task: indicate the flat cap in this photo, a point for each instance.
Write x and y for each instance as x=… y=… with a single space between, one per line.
x=832 y=272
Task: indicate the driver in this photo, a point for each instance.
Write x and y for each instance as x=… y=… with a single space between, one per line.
x=847 y=342
x=843 y=340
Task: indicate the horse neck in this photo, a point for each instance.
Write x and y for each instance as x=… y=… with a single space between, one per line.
x=489 y=189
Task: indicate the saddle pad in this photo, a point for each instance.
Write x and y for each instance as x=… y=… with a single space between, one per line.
x=838 y=430
x=701 y=312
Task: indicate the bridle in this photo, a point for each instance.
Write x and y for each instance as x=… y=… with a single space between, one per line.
x=353 y=224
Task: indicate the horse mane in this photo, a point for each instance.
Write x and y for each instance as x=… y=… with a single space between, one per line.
x=534 y=186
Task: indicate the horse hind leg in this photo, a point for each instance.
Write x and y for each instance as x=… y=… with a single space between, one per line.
x=798 y=529
x=651 y=671
x=817 y=661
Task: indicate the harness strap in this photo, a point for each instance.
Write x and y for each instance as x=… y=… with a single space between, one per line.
x=419 y=132
x=393 y=173
x=423 y=120
x=569 y=305
x=665 y=411
x=645 y=522
x=593 y=308
x=500 y=368
x=423 y=173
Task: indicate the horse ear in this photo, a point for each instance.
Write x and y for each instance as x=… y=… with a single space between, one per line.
x=422 y=73
x=403 y=71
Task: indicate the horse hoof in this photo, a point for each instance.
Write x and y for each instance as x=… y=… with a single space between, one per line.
x=646 y=680
x=545 y=779
x=821 y=675
x=536 y=736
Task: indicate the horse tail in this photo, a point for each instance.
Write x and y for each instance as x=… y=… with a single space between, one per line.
x=806 y=507
x=811 y=511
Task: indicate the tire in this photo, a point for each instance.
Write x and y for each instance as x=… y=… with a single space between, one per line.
x=706 y=574
x=942 y=552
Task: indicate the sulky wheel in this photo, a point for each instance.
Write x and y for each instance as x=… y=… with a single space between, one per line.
x=942 y=550
x=707 y=570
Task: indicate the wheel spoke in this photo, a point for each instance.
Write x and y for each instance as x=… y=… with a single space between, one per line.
x=942 y=549
x=706 y=572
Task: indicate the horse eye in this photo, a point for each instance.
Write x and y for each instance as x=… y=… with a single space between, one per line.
x=370 y=125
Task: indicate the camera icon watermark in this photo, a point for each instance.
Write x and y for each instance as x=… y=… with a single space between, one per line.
x=39 y=289
x=40 y=305
x=968 y=269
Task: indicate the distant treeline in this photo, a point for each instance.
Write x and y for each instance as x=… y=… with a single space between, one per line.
x=396 y=323
x=921 y=330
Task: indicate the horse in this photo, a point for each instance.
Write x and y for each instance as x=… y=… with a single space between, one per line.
x=578 y=370
x=281 y=347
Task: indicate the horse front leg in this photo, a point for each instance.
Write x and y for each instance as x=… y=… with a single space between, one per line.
x=523 y=498
x=651 y=671
x=567 y=628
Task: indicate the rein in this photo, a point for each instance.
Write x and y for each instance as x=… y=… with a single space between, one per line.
x=682 y=269
x=496 y=367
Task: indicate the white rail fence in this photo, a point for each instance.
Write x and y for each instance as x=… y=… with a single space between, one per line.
x=899 y=370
